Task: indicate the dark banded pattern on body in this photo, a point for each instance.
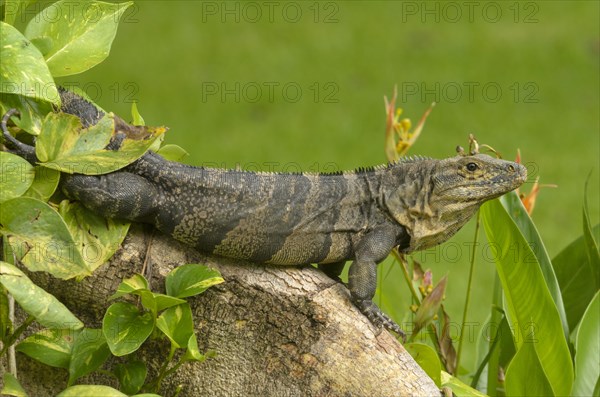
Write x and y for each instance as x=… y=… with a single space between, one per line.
x=284 y=219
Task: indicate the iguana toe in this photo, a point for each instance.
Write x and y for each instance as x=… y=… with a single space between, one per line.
x=379 y=318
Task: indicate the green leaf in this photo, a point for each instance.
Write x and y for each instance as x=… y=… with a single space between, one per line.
x=16 y=176
x=591 y=245
x=90 y=391
x=459 y=388
x=40 y=238
x=587 y=351
x=157 y=302
x=148 y=301
x=50 y=346
x=130 y=285
x=62 y=136
x=514 y=207
x=43 y=44
x=427 y=359
x=191 y=279
x=63 y=145
x=177 y=323
x=23 y=69
x=81 y=36
x=89 y=352
x=97 y=238
x=165 y=301
x=525 y=374
x=575 y=278
x=44 y=183
x=46 y=309
x=529 y=303
x=192 y=353
x=32 y=112
x=131 y=376
x=12 y=387
x=137 y=118
x=138 y=285
x=125 y=328
x=173 y=152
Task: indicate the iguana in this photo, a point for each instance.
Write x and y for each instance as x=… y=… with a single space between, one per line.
x=295 y=219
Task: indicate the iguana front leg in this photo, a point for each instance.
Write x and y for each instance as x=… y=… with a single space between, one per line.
x=362 y=276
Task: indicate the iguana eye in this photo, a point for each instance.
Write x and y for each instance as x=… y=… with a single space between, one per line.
x=472 y=167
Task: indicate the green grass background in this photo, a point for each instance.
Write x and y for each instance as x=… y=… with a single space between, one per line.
x=544 y=57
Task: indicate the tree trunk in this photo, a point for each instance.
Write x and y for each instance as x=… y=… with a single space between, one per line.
x=277 y=331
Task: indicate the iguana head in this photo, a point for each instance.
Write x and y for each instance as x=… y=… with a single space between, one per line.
x=474 y=179
x=433 y=199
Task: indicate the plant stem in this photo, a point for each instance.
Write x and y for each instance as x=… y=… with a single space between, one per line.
x=404 y=265
x=407 y=277
x=163 y=369
x=485 y=361
x=15 y=335
x=468 y=297
x=493 y=383
x=174 y=368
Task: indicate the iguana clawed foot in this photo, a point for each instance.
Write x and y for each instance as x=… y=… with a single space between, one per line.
x=379 y=318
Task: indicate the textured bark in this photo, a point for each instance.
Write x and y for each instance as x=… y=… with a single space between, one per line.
x=277 y=331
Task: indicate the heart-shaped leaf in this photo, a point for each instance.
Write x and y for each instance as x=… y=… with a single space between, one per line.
x=81 y=33
x=126 y=328
x=191 y=279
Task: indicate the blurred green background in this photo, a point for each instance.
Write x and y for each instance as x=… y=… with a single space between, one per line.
x=300 y=85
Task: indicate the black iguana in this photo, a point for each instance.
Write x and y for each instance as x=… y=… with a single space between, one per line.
x=296 y=219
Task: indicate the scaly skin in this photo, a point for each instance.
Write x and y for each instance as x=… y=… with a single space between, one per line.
x=297 y=219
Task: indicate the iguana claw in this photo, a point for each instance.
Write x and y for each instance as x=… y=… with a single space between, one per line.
x=379 y=318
